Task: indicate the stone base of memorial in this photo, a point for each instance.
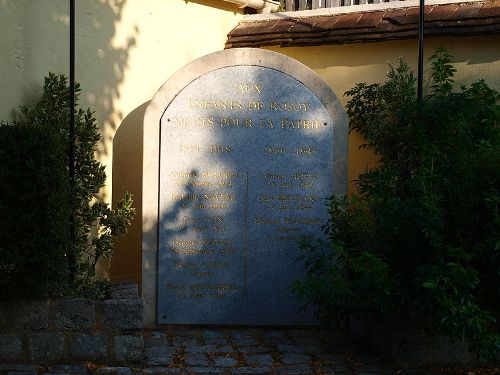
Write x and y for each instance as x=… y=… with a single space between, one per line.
x=74 y=330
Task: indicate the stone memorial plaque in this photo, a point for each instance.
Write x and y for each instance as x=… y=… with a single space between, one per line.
x=246 y=157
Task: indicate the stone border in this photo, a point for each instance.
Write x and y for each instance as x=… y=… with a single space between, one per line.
x=77 y=330
x=162 y=99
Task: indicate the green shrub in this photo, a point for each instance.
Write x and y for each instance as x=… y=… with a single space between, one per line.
x=35 y=211
x=421 y=240
x=43 y=136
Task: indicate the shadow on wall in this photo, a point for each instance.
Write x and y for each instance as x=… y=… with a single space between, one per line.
x=35 y=41
x=39 y=43
x=102 y=68
x=126 y=264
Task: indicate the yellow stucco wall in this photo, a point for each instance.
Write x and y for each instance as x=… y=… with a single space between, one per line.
x=126 y=49
x=342 y=66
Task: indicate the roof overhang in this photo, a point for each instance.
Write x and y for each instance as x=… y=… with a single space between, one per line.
x=366 y=24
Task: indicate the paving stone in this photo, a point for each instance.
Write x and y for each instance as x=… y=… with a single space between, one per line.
x=329 y=370
x=160 y=370
x=259 y=359
x=291 y=348
x=209 y=349
x=212 y=334
x=74 y=314
x=89 y=347
x=301 y=333
x=225 y=361
x=293 y=358
x=186 y=332
x=216 y=341
x=198 y=359
x=24 y=315
x=122 y=314
x=129 y=348
x=155 y=339
x=17 y=367
x=241 y=334
x=294 y=370
x=254 y=349
x=114 y=370
x=185 y=341
x=10 y=347
x=251 y=370
x=71 y=369
x=244 y=341
x=277 y=340
x=328 y=358
x=204 y=370
x=274 y=335
x=159 y=356
x=46 y=346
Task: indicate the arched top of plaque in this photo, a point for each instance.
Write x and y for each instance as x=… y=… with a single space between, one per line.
x=252 y=57
x=287 y=80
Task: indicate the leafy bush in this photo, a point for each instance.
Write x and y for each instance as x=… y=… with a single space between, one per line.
x=421 y=239
x=52 y=249
x=35 y=211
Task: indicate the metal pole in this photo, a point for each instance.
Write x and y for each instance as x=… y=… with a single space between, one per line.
x=420 y=78
x=72 y=258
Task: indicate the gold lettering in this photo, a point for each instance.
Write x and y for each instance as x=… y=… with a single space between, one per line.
x=264 y=220
x=274 y=150
x=183 y=197
x=249 y=88
x=218 y=197
x=299 y=124
x=215 y=104
x=269 y=124
x=308 y=151
x=274 y=176
x=235 y=122
x=258 y=106
x=219 y=149
x=291 y=107
x=193 y=121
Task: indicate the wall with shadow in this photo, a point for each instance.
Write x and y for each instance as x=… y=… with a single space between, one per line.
x=125 y=50
x=342 y=66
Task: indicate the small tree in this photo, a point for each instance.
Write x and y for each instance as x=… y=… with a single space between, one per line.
x=96 y=226
x=421 y=240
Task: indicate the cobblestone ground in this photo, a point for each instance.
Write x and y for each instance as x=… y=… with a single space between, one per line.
x=250 y=351
x=233 y=351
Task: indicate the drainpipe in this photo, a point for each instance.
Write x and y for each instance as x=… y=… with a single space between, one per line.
x=262 y=6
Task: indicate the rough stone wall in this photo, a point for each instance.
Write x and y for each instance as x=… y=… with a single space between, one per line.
x=75 y=330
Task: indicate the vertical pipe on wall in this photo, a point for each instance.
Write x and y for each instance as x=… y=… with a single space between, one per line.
x=420 y=51
x=71 y=257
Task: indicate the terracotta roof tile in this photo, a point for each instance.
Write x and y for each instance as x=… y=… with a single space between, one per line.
x=372 y=19
x=347 y=21
x=327 y=23
x=490 y=9
x=448 y=19
x=441 y=13
x=468 y=10
x=397 y=16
